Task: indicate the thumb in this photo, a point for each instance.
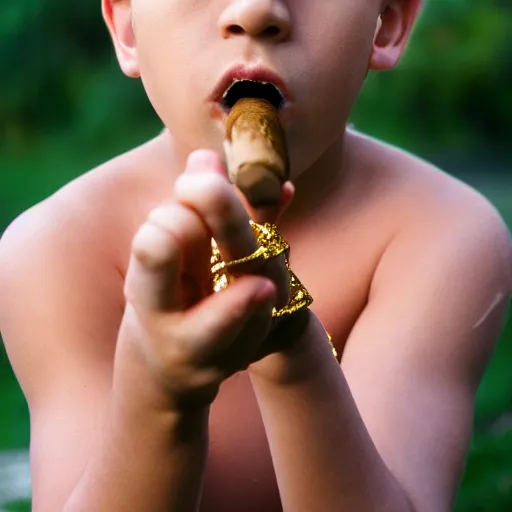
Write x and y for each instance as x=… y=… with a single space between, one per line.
x=218 y=320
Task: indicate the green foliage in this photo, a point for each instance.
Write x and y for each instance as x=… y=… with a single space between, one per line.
x=62 y=75
x=14 y=418
x=450 y=90
x=487 y=485
x=18 y=506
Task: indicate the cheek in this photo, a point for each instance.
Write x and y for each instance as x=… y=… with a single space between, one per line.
x=174 y=67
x=337 y=53
x=159 y=48
x=337 y=47
x=164 y=52
x=336 y=58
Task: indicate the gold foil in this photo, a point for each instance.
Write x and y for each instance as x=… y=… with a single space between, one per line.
x=271 y=244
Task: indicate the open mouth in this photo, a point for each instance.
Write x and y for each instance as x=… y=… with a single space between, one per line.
x=252 y=89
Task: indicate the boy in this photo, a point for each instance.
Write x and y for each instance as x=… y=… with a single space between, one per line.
x=121 y=349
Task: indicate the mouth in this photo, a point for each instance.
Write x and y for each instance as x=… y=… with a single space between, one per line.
x=252 y=89
x=256 y=82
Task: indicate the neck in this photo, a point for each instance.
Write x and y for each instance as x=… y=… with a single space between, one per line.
x=317 y=184
x=313 y=187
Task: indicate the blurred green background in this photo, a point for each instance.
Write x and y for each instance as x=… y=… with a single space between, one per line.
x=65 y=107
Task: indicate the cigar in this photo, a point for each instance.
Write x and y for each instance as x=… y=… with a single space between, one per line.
x=256 y=152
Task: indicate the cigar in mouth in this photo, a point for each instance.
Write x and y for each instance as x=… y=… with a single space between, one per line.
x=256 y=152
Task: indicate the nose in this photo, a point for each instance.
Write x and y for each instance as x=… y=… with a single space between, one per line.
x=262 y=19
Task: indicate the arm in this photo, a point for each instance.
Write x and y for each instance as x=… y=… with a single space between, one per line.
x=390 y=430
x=60 y=311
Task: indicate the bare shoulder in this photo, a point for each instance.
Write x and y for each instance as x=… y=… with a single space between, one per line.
x=59 y=227
x=90 y=213
x=437 y=304
x=61 y=276
x=432 y=211
x=443 y=283
x=81 y=222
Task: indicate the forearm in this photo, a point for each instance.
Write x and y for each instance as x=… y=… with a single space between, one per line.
x=146 y=459
x=323 y=455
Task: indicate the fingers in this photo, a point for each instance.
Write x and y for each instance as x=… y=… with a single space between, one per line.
x=225 y=315
x=170 y=234
x=195 y=242
x=206 y=191
x=179 y=234
x=204 y=160
x=205 y=188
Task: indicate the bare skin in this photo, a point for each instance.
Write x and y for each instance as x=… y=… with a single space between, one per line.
x=65 y=361
x=121 y=354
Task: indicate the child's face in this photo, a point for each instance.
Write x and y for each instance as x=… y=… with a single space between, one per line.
x=181 y=49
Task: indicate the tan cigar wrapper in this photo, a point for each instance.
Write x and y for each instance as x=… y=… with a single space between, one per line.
x=256 y=152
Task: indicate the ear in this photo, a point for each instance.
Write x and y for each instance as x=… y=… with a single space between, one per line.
x=118 y=18
x=393 y=30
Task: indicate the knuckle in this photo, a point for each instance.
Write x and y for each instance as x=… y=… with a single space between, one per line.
x=163 y=215
x=182 y=223
x=217 y=185
x=216 y=202
x=154 y=247
x=204 y=190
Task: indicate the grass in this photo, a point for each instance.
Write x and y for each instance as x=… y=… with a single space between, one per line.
x=487 y=483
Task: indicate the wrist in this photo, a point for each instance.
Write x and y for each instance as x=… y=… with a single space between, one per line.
x=137 y=390
x=300 y=357
x=145 y=405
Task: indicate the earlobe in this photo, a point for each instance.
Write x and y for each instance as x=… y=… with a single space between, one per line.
x=117 y=15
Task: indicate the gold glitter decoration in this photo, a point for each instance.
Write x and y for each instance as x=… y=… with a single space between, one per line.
x=299 y=296
x=333 y=348
x=271 y=244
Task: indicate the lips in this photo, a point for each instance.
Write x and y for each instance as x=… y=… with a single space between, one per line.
x=255 y=74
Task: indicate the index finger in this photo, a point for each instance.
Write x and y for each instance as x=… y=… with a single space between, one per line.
x=214 y=198
x=211 y=195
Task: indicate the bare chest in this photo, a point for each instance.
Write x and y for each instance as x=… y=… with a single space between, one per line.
x=337 y=270
x=336 y=263
x=240 y=474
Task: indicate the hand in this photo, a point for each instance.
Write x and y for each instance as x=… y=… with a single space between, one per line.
x=175 y=332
